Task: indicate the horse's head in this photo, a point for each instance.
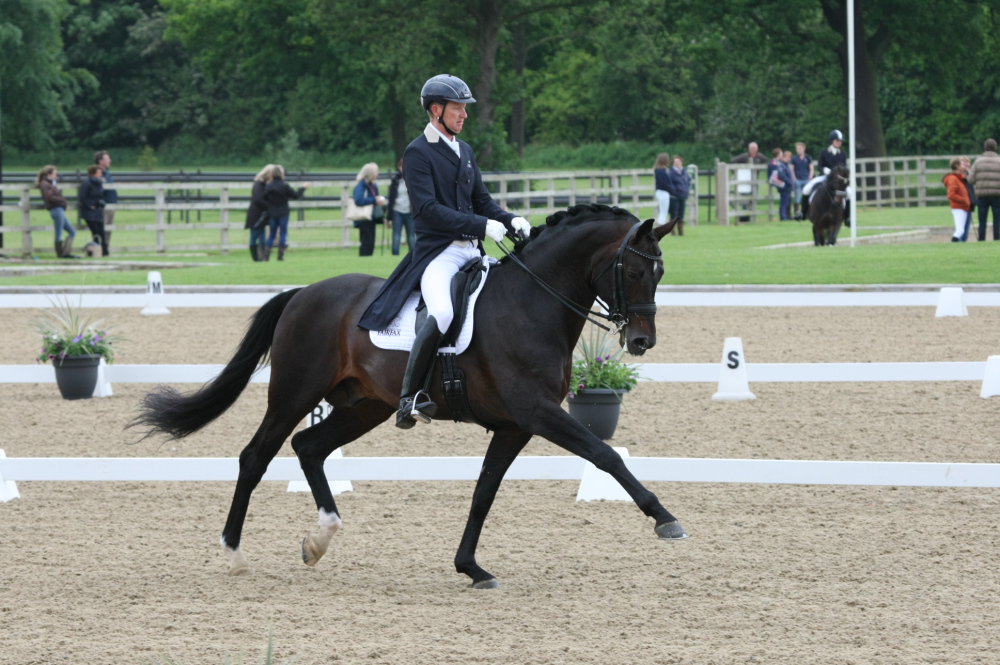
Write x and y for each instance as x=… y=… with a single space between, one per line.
x=642 y=268
x=838 y=181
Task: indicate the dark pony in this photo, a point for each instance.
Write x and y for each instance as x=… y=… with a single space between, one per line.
x=826 y=210
x=517 y=369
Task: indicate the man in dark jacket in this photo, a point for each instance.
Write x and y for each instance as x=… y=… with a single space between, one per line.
x=985 y=175
x=103 y=159
x=452 y=213
x=91 y=199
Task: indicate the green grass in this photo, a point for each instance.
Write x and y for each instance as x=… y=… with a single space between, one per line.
x=707 y=254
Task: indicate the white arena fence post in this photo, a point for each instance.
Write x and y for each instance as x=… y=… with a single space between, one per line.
x=318 y=415
x=733 y=383
x=951 y=302
x=8 y=488
x=991 y=378
x=597 y=485
x=154 y=295
x=103 y=387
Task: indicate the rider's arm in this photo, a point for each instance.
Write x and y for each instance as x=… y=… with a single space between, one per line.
x=428 y=214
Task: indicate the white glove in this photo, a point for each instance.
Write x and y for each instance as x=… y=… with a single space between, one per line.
x=495 y=230
x=521 y=225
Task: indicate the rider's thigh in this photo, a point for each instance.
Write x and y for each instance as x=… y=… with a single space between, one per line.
x=435 y=284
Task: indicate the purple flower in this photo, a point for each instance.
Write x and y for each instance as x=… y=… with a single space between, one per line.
x=580 y=387
x=77 y=338
x=51 y=357
x=62 y=355
x=93 y=342
x=607 y=357
x=97 y=337
x=599 y=360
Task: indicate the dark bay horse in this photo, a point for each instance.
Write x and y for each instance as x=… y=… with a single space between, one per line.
x=826 y=209
x=517 y=369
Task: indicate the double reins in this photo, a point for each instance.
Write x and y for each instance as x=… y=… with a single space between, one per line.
x=617 y=313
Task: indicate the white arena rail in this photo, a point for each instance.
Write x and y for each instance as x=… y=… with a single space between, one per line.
x=655 y=372
x=649 y=469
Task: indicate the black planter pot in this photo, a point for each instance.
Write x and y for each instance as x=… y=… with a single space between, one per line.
x=597 y=409
x=77 y=376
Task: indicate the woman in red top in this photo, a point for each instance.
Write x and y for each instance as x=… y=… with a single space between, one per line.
x=958 y=197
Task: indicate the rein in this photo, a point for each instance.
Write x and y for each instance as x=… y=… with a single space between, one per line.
x=617 y=313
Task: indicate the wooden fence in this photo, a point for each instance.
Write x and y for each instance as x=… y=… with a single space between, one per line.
x=743 y=194
x=528 y=194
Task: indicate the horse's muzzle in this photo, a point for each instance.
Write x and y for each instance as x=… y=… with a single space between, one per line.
x=638 y=345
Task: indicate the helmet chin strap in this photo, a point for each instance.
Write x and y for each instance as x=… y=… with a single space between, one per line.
x=442 y=123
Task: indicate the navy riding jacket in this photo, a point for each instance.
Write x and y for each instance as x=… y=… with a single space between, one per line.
x=449 y=202
x=663 y=182
x=829 y=160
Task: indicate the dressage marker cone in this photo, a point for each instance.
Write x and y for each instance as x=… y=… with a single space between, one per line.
x=103 y=387
x=951 y=302
x=317 y=416
x=596 y=485
x=991 y=378
x=8 y=488
x=733 y=383
x=154 y=295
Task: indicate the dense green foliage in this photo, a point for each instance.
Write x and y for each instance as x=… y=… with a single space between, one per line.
x=225 y=80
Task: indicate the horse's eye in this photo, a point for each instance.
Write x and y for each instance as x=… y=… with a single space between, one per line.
x=632 y=274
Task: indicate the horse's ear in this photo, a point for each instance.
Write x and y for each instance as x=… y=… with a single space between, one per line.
x=661 y=231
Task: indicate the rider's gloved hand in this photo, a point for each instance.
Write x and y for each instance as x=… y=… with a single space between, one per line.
x=521 y=225
x=495 y=230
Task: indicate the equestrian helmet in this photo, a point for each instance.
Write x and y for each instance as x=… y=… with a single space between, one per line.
x=445 y=88
x=835 y=135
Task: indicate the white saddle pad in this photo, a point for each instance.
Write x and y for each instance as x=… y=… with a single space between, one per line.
x=401 y=332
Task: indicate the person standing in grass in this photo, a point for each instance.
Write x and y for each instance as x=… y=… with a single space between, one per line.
x=398 y=211
x=91 y=200
x=985 y=175
x=663 y=187
x=366 y=194
x=803 y=169
x=958 y=197
x=257 y=211
x=103 y=159
x=277 y=193
x=680 y=186
x=56 y=204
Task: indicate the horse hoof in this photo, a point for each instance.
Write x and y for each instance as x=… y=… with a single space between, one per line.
x=240 y=571
x=670 y=531
x=487 y=584
x=310 y=554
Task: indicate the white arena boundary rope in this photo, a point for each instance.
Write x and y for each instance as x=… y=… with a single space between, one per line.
x=653 y=372
x=648 y=469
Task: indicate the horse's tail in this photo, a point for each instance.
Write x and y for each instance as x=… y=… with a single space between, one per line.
x=167 y=411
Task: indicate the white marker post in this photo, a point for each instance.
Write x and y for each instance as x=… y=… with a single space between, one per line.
x=733 y=383
x=991 y=378
x=318 y=415
x=951 y=302
x=8 y=488
x=103 y=387
x=596 y=485
x=154 y=296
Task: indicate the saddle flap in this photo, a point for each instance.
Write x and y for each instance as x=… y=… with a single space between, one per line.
x=463 y=284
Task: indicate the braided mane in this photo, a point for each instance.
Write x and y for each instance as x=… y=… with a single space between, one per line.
x=578 y=214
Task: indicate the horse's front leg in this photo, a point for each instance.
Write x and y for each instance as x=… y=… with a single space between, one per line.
x=549 y=420
x=504 y=447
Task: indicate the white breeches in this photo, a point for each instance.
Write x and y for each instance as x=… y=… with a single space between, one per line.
x=959 y=216
x=435 y=285
x=663 y=205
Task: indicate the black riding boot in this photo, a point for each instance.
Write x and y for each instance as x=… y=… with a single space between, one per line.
x=805 y=207
x=847 y=215
x=415 y=404
x=253 y=252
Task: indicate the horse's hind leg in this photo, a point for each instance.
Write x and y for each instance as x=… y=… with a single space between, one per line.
x=254 y=459
x=549 y=420
x=313 y=446
x=504 y=447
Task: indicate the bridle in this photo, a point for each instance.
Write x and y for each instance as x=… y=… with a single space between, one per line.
x=618 y=313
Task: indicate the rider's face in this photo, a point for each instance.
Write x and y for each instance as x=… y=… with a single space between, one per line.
x=454 y=116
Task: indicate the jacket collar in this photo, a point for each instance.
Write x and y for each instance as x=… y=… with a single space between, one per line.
x=433 y=137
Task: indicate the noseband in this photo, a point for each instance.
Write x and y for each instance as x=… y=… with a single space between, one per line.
x=617 y=313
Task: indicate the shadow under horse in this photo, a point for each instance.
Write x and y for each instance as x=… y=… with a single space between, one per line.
x=517 y=369
x=826 y=209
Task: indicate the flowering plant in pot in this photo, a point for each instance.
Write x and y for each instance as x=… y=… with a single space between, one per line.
x=597 y=382
x=75 y=345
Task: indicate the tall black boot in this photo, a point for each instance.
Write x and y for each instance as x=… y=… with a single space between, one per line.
x=67 y=249
x=415 y=404
x=805 y=207
x=253 y=252
x=59 y=249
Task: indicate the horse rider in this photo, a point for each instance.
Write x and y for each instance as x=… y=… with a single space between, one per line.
x=452 y=213
x=830 y=158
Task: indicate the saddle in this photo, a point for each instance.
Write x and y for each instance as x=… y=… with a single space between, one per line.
x=465 y=282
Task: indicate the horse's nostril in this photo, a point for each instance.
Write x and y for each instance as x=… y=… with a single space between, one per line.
x=642 y=342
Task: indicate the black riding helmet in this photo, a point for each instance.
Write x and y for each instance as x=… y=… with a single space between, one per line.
x=835 y=135
x=442 y=89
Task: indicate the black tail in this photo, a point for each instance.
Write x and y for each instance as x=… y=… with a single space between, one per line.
x=167 y=411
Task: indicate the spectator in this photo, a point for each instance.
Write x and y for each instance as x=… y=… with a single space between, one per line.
x=803 y=170
x=277 y=193
x=680 y=185
x=787 y=177
x=398 y=211
x=985 y=175
x=366 y=193
x=751 y=156
x=773 y=164
x=56 y=204
x=103 y=159
x=958 y=197
x=257 y=217
x=91 y=200
x=971 y=191
x=661 y=176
